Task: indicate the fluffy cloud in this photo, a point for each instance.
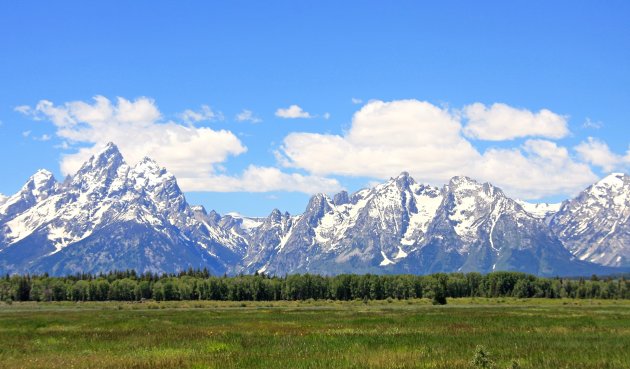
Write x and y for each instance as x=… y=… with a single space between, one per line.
x=204 y=114
x=247 y=116
x=598 y=153
x=502 y=122
x=135 y=126
x=292 y=112
x=538 y=168
x=264 y=179
x=388 y=137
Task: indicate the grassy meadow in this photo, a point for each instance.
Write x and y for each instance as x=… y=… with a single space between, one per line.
x=534 y=333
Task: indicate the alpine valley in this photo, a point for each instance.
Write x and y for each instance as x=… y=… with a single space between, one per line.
x=113 y=216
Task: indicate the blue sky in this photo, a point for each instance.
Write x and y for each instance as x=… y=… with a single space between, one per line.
x=530 y=95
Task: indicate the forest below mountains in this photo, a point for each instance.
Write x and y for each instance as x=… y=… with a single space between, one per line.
x=200 y=285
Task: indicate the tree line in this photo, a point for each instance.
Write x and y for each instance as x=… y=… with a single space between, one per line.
x=200 y=285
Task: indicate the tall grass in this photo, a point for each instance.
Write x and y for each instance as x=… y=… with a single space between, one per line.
x=589 y=334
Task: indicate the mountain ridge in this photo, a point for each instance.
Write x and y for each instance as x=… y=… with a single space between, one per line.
x=111 y=215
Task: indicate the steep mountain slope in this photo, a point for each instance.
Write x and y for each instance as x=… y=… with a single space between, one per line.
x=595 y=226
x=108 y=216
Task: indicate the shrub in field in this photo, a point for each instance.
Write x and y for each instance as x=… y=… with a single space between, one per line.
x=482 y=359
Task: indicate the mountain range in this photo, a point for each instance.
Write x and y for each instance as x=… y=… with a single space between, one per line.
x=113 y=216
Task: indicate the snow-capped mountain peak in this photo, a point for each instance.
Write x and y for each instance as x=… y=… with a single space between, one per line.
x=595 y=226
x=613 y=180
x=148 y=174
x=472 y=204
x=38 y=187
x=108 y=158
x=404 y=180
x=100 y=171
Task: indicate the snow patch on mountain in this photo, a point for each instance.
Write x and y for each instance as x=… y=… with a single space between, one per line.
x=540 y=210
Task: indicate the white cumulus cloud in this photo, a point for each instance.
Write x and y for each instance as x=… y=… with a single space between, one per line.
x=502 y=122
x=597 y=152
x=189 y=152
x=386 y=138
x=537 y=169
x=292 y=112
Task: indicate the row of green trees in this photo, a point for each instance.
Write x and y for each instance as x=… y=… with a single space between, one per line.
x=199 y=285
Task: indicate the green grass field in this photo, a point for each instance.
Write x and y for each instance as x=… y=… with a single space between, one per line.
x=316 y=334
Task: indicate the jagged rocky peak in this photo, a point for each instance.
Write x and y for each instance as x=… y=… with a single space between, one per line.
x=319 y=205
x=341 y=198
x=152 y=171
x=614 y=180
x=37 y=188
x=200 y=209
x=100 y=170
x=148 y=165
x=41 y=184
x=275 y=216
x=463 y=185
x=615 y=184
x=148 y=175
x=109 y=157
x=404 y=181
x=212 y=217
x=612 y=193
